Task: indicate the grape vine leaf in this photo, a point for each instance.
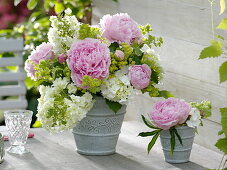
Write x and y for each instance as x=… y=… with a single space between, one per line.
x=221 y=144
x=223 y=24
x=223 y=72
x=222 y=7
x=214 y=50
x=224 y=120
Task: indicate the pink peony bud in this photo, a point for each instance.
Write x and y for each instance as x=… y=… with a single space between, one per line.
x=61 y=58
x=119 y=54
x=140 y=75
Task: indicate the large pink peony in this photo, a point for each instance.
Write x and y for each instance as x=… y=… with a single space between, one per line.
x=139 y=76
x=88 y=57
x=169 y=113
x=120 y=28
x=42 y=52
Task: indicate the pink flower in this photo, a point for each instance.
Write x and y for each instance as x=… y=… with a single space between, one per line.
x=139 y=76
x=119 y=54
x=120 y=28
x=61 y=58
x=169 y=113
x=88 y=57
x=42 y=52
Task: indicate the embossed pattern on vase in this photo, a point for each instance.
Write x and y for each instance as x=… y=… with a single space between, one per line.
x=98 y=132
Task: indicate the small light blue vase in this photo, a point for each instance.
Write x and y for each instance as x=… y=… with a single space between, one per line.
x=97 y=133
x=181 y=153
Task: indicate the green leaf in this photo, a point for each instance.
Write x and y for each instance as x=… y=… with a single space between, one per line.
x=172 y=141
x=223 y=24
x=145 y=134
x=114 y=106
x=148 y=123
x=29 y=82
x=214 y=50
x=152 y=142
x=178 y=136
x=223 y=72
x=166 y=94
x=113 y=47
x=220 y=132
x=32 y=4
x=16 y=2
x=37 y=124
x=222 y=145
x=222 y=7
x=224 y=120
x=219 y=36
x=59 y=7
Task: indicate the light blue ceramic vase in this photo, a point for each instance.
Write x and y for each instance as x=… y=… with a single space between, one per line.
x=181 y=153
x=97 y=133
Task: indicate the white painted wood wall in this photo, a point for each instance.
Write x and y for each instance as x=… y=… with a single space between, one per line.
x=185 y=26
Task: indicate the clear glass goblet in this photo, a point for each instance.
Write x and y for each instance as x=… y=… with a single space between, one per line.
x=18 y=125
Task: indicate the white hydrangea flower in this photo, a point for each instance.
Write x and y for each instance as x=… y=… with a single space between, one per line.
x=60 y=83
x=195 y=118
x=64 y=32
x=118 y=88
x=72 y=88
x=150 y=51
x=58 y=113
x=68 y=11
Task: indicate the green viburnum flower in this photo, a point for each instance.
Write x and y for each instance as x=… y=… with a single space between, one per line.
x=153 y=92
x=49 y=70
x=93 y=84
x=204 y=107
x=152 y=61
x=87 y=31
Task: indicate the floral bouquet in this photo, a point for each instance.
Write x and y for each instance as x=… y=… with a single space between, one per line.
x=169 y=114
x=114 y=60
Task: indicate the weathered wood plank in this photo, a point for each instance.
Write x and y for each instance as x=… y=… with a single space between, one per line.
x=12 y=90
x=11 y=61
x=57 y=151
x=11 y=76
x=11 y=45
x=13 y=104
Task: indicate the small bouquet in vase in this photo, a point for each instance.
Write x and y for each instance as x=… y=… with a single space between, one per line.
x=176 y=122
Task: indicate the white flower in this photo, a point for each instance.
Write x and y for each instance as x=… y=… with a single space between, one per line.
x=72 y=88
x=150 y=51
x=64 y=32
x=118 y=88
x=195 y=118
x=68 y=11
x=58 y=111
x=60 y=83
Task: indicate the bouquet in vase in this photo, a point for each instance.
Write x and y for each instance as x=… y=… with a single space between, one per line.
x=114 y=60
x=176 y=122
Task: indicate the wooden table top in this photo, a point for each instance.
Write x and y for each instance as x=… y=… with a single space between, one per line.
x=58 y=152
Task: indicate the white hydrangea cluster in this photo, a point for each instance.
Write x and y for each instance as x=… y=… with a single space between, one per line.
x=195 y=118
x=118 y=88
x=63 y=32
x=59 y=110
